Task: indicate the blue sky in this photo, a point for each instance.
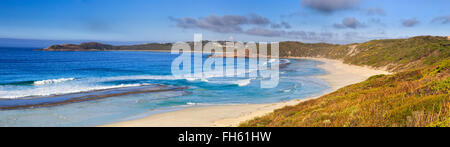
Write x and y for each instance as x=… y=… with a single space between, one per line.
x=333 y=21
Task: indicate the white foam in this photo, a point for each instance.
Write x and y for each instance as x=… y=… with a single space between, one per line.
x=203 y=76
x=57 y=90
x=240 y=83
x=285 y=61
x=245 y=82
x=191 y=103
x=272 y=60
x=52 y=81
x=191 y=79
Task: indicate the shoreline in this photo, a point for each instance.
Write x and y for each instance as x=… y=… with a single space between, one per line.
x=339 y=75
x=61 y=99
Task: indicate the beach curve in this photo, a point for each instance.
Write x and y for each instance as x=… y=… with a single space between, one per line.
x=339 y=75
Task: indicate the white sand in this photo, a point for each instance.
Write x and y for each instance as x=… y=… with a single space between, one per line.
x=339 y=75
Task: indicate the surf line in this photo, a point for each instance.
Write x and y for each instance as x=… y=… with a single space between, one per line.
x=54 y=100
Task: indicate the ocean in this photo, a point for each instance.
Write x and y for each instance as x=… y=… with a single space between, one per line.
x=138 y=84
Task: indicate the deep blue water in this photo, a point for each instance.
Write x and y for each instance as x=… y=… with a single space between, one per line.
x=27 y=73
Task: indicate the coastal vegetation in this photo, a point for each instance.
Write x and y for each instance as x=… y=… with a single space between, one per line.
x=413 y=98
x=389 y=54
x=417 y=95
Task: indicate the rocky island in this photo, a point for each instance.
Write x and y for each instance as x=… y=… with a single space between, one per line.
x=96 y=46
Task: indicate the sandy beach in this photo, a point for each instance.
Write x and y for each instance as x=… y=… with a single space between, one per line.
x=339 y=75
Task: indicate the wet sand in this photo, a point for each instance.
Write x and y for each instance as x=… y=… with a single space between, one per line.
x=339 y=75
x=54 y=100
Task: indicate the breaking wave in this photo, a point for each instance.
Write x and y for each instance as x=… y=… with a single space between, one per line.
x=52 y=81
x=57 y=90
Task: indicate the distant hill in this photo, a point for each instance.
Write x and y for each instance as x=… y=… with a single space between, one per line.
x=95 y=46
x=41 y=43
x=388 y=54
x=88 y=46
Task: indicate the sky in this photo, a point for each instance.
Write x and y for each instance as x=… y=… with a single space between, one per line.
x=331 y=21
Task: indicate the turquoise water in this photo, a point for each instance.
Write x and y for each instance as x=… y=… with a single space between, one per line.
x=28 y=74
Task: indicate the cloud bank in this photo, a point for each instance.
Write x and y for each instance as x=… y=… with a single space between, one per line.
x=442 y=19
x=258 y=26
x=221 y=24
x=281 y=25
x=350 y=22
x=329 y=6
x=375 y=11
x=410 y=22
